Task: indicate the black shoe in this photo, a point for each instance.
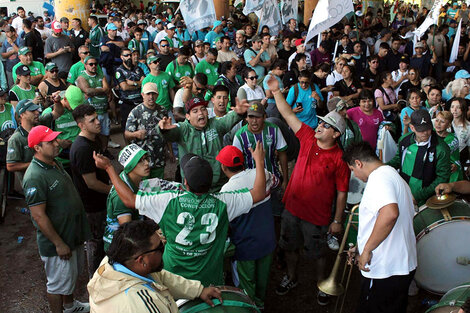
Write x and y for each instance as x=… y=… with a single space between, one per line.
x=286 y=285
x=323 y=298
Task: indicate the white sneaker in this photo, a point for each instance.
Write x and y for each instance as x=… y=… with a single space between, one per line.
x=112 y=144
x=332 y=242
x=78 y=307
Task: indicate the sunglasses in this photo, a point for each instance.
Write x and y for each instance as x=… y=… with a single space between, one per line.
x=163 y=46
x=86 y=52
x=303 y=82
x=253 y=77
x=126 y=55
x=201 y=88
x=155 y=62
x=160 y=248
x=326 y=125
x=54 y=71
x=92 y=64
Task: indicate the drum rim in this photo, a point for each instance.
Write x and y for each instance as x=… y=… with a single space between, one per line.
x=439 y=223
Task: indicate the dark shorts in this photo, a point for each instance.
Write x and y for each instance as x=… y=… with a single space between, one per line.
x=296 y=233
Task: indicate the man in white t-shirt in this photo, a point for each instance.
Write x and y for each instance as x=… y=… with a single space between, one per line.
x=386 y=243
x=17 y=22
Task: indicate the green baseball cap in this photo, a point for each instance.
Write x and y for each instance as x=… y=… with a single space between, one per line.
x=74 y=96
x=50 y=66
x=88 y=58
x=24 y=51
x=130 y=156
x=26 y=105
x=152 y=59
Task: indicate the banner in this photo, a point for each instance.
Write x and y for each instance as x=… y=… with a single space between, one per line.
x=432 y=18
x=289 y=10
x=270 y=16
x=455 y=47
x=252 y=6
x=326 y=14
x=198 y=14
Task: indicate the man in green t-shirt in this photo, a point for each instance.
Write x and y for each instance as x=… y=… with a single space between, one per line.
x=37 y=68
x=194 y=221
x=96 y=33
x=209 y=66
x=164 y=82
x=180 y=67
x=60 y=220
x=7 y=112
x=79 y=67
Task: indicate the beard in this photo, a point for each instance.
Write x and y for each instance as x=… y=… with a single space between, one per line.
x=158 y=268
x=128 y=62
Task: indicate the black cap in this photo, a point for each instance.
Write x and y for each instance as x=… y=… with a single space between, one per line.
x=404 y=59
x=197 y=172
x=22 y=70
x=421 y=120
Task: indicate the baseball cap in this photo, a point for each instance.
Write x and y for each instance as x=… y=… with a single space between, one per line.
x=462 y=74
x=152 y=58
x=194 y=102
x=230 y=156
x=111 y=27
x=299 y=42
x=39 y=134
x=419 y=45
x=170 y=26
x=406 y=60
x=129 y=157
x=273 y=38
x=256 y=109
x=179 y=24
x=50 y=66
x=150 y=87
x=26 y=105
x=197 y=172
x=334 y=119
x=24 y=51
x=141 y=22
x=216 y=23
x=150 y=51
x=23 y=70
x=336 y=104
x=88 y=58
x=199 y=43
x=56 y=27
x=158 y=21
x=421 y=120
x=74 y=96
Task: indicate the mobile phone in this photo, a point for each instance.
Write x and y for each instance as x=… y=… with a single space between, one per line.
x=299 y=105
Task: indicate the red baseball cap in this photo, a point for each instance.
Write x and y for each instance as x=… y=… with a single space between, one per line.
x=194 y=102
x=40 y=134
x=56 y=27
x=230 y=156
x=299 y=42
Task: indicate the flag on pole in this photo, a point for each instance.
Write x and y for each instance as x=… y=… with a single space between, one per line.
x=394 y=11
x=289 y=10
x=198 y=14
x=270 y=16
x=431 y=18
x=252 y=6
x=326 y=14
x=455 y=47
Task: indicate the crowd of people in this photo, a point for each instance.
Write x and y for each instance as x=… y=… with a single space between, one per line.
x=233 y=105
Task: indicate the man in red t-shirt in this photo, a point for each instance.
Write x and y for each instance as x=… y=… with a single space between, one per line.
x=319 y=176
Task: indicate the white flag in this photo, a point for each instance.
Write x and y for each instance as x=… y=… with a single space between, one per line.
x=252 y=6
x=289 y=10
x=198 y=14
x=326 y=14
x=432 y=18
x=455 y=47
x=270 y=16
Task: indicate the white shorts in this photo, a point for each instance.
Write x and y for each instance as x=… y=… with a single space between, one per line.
x=62 y=274
x=105 y=123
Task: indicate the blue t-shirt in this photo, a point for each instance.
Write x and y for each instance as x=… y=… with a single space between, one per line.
x=147 y=38
x=249 y=54
x=198 y=35
x=211 y=37
x=13 y=59
x=309 y=104
x=183 y=36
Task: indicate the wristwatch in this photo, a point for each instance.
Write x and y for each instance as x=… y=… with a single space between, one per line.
x=335 y=221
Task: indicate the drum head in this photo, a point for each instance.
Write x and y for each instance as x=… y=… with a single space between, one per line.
x=438 y=250
x=356 y=190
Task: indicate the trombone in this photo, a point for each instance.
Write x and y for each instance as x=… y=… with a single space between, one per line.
x=331 y=286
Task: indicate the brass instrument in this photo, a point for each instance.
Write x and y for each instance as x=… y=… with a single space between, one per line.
x=331 y=286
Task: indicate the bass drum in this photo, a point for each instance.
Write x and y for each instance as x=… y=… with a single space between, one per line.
x=439 y=242
x=452 y=300
x=235 y=301
x=356 y=190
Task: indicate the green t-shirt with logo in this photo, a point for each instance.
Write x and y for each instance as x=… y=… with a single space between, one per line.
x=164 y=83
x=180 y=71
x=7 y=117
x=195 y=227
x=22 y=94
x=36 y=68
x=77 y=69
x=453 y=142
x=210 y=70
x=18 y=150
x=99 y=102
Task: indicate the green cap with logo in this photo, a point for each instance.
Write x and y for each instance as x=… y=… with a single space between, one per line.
x=74 y=96
x=26 y=105
x=50 y=66
x=152 y=59
x=24 y=51
x=130 y=156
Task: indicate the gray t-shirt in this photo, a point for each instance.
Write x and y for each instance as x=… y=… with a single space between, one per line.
x=53 y=44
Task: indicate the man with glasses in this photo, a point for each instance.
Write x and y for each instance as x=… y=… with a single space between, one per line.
x=164 y=54
x=371 y=74
x=95 y=86
x=141 y=126
x=59 y=217
x=129 y=78
x=79 y=67
x=257 y=57
x=51 y=84
x=135 y=262
x=180 y=67
x=308 y=204
x=36 y=68
x=164 y=82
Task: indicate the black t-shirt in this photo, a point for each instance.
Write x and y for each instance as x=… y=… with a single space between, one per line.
x=392 y=61
x=82 y=162
x=406 y=87
x=345 y=90
x=33 y=40
x=285 y=55
x=165 y=60
x=368 y=78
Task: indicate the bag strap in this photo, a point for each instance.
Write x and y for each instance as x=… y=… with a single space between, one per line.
x=385 y=94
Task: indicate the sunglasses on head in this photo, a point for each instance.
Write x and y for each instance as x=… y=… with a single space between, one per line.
x=253 y=77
